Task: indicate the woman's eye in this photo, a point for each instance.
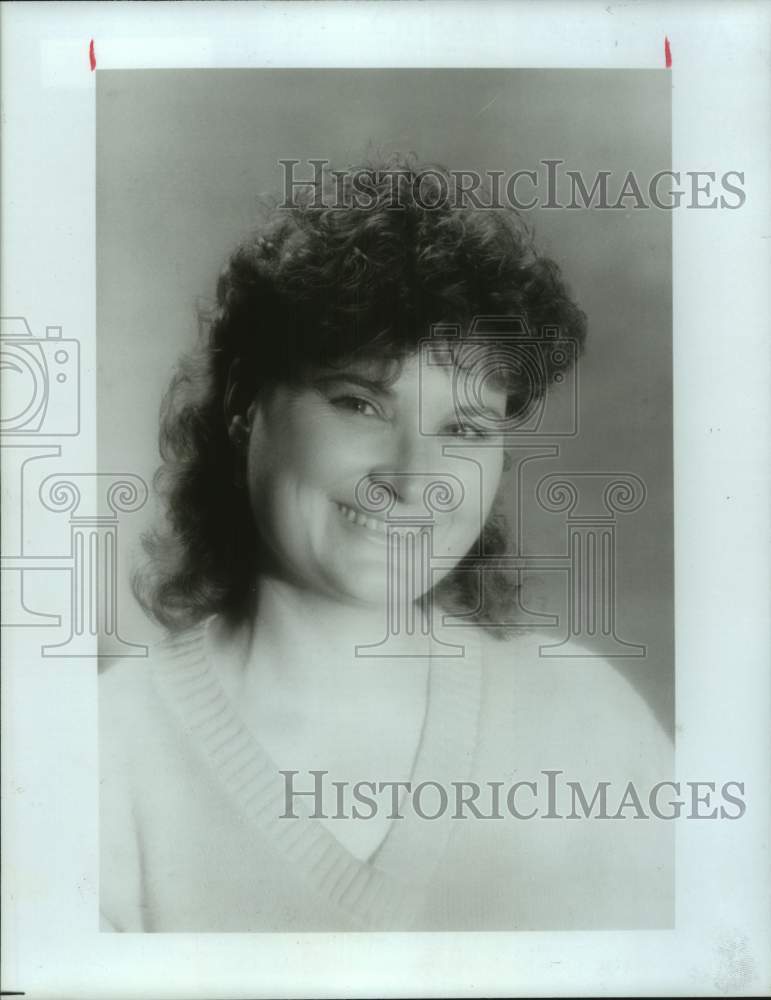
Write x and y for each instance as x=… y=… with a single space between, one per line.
x=356 y=404
x=465 y=431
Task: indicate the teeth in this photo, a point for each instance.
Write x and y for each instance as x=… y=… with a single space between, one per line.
x=361 y=519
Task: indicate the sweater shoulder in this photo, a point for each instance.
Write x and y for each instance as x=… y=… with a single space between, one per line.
x=128 y=677
x=572 y=701
x=531 y=664
x=138 y=741
x=128 y=687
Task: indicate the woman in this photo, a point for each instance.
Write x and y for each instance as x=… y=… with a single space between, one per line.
x=316 y=746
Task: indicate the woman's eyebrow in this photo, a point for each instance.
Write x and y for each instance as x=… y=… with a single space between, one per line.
x=374 y=385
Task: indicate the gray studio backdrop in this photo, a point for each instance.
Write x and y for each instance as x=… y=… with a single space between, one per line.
x=183 y=155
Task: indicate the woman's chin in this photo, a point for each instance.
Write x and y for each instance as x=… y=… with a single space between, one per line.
x=363 y=588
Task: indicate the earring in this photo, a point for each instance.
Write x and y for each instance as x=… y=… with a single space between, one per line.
x=238 y=432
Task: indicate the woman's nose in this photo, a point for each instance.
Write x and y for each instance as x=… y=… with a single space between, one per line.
x=412 y=463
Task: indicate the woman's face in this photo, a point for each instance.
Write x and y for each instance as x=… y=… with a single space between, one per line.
x=317 y=452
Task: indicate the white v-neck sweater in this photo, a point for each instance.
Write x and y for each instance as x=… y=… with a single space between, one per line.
x=193 y=836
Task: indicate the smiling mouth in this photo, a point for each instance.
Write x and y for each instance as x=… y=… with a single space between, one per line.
x=372 y=524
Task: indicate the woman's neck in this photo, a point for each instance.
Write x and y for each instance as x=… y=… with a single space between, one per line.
x=306 y=643
x=315 y=705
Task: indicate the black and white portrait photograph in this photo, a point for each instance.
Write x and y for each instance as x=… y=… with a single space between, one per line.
x=397 y=407
x=361 y=503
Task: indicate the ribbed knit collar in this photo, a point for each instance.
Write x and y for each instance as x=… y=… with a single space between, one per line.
x=385 y=891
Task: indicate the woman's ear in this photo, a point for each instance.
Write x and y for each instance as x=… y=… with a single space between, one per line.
x=239 y=405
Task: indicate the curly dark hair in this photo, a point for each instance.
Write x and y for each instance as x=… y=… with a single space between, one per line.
x=319 y=281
